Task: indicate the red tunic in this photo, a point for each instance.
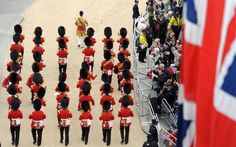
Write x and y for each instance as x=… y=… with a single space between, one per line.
x=19 y=48
x=127 y=81
x=35 y=88
x=6 y=81
x=93 y=41
x=101 y=89
x=15 y=116
x=9 y=101
x=88 y=98
x=104 y=40
x=80 y=83
x=64 y=38
x=106 y=118
x=67 y=88
x=30 y=82
x=88 y=51
x=38 y=49
x=41 y=65
x=42 y=40
x=125 y=114
x=126 y=53
x=122 y=39
x=64 y=115
x=107 y=67
x=62 y=56
x=107 y=98
x=59 y=98
x=42 y=102
x=90 y=76
x=37 y=119
x=85 y=118
x=22 y=37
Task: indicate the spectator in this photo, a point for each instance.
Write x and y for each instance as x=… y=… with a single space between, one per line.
x=136 y=13
x=153 y=130
x=162 y=28
x=175 y=24
x=150 y=142
x=143 y=46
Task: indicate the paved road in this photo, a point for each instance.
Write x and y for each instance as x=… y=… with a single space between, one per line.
x=49 y=14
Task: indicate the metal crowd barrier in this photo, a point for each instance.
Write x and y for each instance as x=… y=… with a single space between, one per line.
x=168 y=115
x=167 y=139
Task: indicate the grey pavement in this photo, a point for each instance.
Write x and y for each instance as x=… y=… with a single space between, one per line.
x=10 y=14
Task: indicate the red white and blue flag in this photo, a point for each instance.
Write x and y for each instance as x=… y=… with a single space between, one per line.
x=208 y=75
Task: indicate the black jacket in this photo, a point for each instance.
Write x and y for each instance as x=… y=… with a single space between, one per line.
x=136 y=13
x=150 y=143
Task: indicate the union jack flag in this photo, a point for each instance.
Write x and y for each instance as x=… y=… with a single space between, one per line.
x=208 y=75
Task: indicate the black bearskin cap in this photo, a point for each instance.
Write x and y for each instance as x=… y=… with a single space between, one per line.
x=61 y=87
x=18 y=29
x=37 y=104
x=83 y=73
x=123 y=32
x=126 y=65
x=126 y=74
x=127 y=88
x=61 y=31
x=64 y=102
x=15 y=66
x=125 y=44
x=125 y=101
x=86 y=87
x=41 y=92
x=85 y=106
x=15 y=103
x=14 y=55
x=104 y=77
x=109 y=45
x=61 y=43
x=16 y=38
x=38 y=31
x=62 y=77
x=108 y=32
x=106 y=88
x=11 y=89
x=106 y=105
x=85 y=65
x=87 y=41
x=13 y=78
x=121 y=57
x=37 y=40
x=37 y=56
x=107 y=54
x=35 y=67
x=90 y=32
x=37 y=78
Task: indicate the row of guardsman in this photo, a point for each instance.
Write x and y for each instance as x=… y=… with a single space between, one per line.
x=36 y=84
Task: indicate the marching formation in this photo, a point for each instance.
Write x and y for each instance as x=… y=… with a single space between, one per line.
x=86 y=102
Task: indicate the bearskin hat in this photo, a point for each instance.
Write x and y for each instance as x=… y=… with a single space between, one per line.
x=61 y=43
x=123 y=32
x=125 y=101
x=15 y=103
x=14 y=55
x=85 y=105
x=83 y=73
x=126 y=65
x=86 y=87
x=127 y=88
x=16 y=38
x=126 y=74
x=106 y=105
x=90 y=32
x=125 y=44
x=87 y=41
x=37 y=78
x=35 y=67
x=109 y=45
x=106 y=88
x=121 y=57
x=38 y=31
x=107 y=54
x=37 y=40
x=85 y=65
x=37 y=56
x=18 y=29
x=15 y=66
x=37 y=104
x=13 y=78
x=12 y=90
x=61 y=86
x=61 y=31
x=104 y=77
x=41 y=92
x=64 y=102
x=108 y=32
x=62 y=77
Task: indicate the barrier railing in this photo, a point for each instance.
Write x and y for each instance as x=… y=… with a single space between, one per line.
x=168 y=114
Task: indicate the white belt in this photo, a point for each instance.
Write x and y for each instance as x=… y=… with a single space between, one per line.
x=16 y=122
x=89 y=58
x=125 y=120
x=65 y=122
x=86 y=122
x=38 y=124
x=108 y=72
x=63 y=61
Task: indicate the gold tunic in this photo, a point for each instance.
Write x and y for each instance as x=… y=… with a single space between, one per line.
x=81 y=24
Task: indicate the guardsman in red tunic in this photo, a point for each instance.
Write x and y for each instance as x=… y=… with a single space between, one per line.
x=127 y=66
x=16 y=46
x=38 y=48
x=127 y=91
x=61 y=93
x=37 y=80
x=107 y=121
x=18 y=30
x=62 y=56
x=83 y=78
x=62 y=78
x=35 y=69
x=124 y=48
x=14 y=55
x=38 y=33
x=62 y=31
x=107 y=65
x=86 y=95
x=125 y=115
x=64 y=115
x=15 y=116
x=123 y=34
x=107 y=96
x=108 y=34
x=88 y=53
x=126 y=79
x=90 y=33
x=90 y=75
x=104 y=78
x=85 y=121
x=119 y=68
x=37 y=123
x=38 y=59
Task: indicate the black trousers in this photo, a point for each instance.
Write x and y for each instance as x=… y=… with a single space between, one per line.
x=62 y=68
x=107 y=136
x=39 y=133
x=142 y=55
x=85 y=134
x=109 y=79
x=124 y=133
x=15 y=134
x=92 y=65
x=66 y=129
